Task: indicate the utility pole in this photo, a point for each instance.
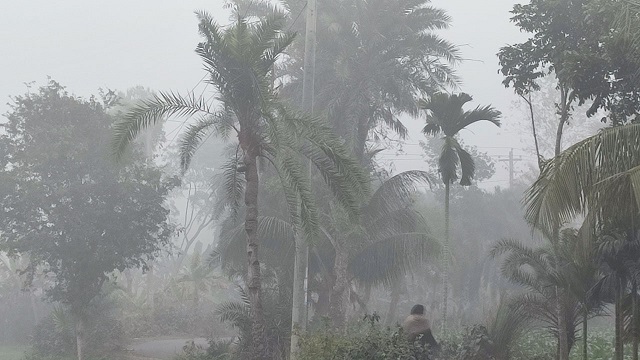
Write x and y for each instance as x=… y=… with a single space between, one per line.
x=300 y=271
x=511 y=160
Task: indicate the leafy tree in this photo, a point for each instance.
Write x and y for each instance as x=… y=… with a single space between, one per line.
x=76 y=215
x=239 y=63
x=445 y=115
x=575 y=42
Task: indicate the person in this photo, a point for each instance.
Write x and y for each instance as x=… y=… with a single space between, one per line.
x=416 y=327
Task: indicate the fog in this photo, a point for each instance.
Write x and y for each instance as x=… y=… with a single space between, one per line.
x=152 y=209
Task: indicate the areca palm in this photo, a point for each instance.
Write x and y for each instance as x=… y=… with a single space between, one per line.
x=238 y=61
x=445 y=115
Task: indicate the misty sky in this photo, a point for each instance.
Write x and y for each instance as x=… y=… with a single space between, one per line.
x=86 y=45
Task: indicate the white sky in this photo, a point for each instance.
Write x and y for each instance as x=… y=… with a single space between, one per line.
x=88 y=44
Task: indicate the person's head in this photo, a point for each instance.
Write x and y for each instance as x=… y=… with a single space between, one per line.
x=417 y=310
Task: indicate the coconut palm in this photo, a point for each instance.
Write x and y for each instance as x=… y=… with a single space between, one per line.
x=445 y=115
x=598 y=176
x=238 y=62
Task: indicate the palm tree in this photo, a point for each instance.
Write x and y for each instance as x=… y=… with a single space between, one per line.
x=386 y=242
x=535 y=269
x=376 y=59
x=563 y=273
x=238 y=62
x=445 y=115
x=598 y=177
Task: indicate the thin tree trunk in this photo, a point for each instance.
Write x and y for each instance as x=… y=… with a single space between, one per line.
x=619 y=324
x=299 y=305
x=445 y=258
x=258 y=328
x=634 y=320
x=585 y=317
x=533 y=129
x=80 y=336
x=563 y=341
x=337 y=300
x=396 y=291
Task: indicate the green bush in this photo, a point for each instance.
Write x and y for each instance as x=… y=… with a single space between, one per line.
x=366 y=340
x=217 y=350
x=54 y=337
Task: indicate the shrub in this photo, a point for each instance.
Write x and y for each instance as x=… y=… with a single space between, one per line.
x=366 y=340
x=217 y=350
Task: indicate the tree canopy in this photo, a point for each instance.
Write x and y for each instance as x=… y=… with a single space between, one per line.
x=75 y=213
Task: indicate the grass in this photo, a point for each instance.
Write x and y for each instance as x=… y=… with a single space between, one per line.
x=12 y=352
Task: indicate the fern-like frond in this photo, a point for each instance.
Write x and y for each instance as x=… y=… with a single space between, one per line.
x=149 y=112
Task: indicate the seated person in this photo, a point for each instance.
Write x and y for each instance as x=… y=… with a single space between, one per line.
x=416 y=327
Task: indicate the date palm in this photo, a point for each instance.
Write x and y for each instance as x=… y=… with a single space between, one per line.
x=239 y=61
x=446 y=116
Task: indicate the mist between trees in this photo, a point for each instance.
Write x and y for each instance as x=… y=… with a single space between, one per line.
x=259 y=215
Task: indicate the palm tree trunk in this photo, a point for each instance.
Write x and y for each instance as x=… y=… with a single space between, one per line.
x=80 y=336
x=299 y=301
x=337 y=300
x=445 y=258
x=585 y=317
x=619 y=323
x=258 y=328
x=634 y=320
x=396 y=291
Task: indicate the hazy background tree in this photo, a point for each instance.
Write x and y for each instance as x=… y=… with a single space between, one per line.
x=72 y=211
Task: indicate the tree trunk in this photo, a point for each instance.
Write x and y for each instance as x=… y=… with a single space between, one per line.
x=533 y=129
x=396 y=291
x=445 y=258
x=634 y=320
x=619 y=323
x=299 y=305
x=258 y=328
x=80 y=336
x=563 y=339
x=585 y=317
x=337 y=300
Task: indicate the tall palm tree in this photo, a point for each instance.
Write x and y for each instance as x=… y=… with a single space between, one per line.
x=238 y=62
x=445 y=115
x=375 y=59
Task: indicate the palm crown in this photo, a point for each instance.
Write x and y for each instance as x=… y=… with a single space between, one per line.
x=445 y=115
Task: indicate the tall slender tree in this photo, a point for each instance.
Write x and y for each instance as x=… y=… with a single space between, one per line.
x=445 y=115
x=239 y=62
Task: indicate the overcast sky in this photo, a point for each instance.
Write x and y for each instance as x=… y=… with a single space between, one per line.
x=86 y=45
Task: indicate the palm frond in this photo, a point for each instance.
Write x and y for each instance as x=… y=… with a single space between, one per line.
x=567 y=183
x=191 y=140
x=395 y=193
x=149 y=112
x=385 y=260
